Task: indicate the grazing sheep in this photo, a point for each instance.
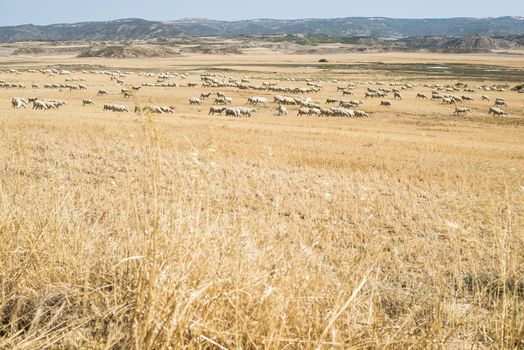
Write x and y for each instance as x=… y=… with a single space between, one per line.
x=314 y=111
x=284 y=100
x=496 y=111
x=256 y=100
x=343 y=112
x=47 y=104
x=461 y=110
x=86 y=102
x=303 y=111
x=360 y=114
x=154 y=109
x=278 y=99
x=167 y=109
x=37 y=104
x=500 y=102
x=232 y=112
x=484 y=98
x=17 y=102
x=449 y=101
x=385 y=103
x=313 y=105
x=195 y=101
x=246 y=111
x=281 y=110
x=421 y=96
x=220 y=101
x=347 y=104
x=116 y=108
x=325 y=112
x=352 y=103
x=205 y=95
x=214 y=109
x=397 y=95
x=56 y=103
x=102 y=92
x=157 y=109
x=331 y=100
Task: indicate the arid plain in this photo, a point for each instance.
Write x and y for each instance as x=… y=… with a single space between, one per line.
x=188 y=230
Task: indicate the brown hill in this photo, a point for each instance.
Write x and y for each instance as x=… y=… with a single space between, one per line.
x=129 y=51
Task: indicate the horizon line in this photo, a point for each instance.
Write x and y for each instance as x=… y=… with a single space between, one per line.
x=260 y=19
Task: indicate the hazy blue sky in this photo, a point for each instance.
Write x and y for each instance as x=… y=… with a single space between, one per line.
x=14 y=12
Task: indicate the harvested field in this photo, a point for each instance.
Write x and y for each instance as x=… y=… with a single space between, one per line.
x=188 y=230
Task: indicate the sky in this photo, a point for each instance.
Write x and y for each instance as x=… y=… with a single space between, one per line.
x=15 y=12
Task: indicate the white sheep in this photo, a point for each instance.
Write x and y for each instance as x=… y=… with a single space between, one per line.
x=256 y=100
x=500 y=102
x=314 y=111
x=17 y=102
x=214 y=109
x=360 y=114
x=232 y=112
x=281 y=110
x=303 y=111
x=195 y=101
x=116 y=108
x=496 y=111
x=246 y=111
x=461 y=110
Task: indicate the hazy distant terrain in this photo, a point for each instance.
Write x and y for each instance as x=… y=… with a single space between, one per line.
x=320 y=44
x=138 y=29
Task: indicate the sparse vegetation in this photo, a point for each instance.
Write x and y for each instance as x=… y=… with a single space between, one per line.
x=184 y=230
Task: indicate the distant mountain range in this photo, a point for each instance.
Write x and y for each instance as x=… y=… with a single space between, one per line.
x=376 y=27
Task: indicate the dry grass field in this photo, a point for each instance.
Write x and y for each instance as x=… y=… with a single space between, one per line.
x=190 y=231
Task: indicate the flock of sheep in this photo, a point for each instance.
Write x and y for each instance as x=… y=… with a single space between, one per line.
x=222 y=104
x=18 y=102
